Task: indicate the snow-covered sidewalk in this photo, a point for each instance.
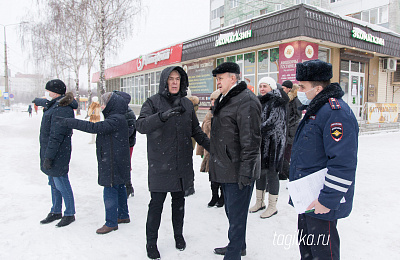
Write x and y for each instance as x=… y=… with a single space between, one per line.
x=370 y=232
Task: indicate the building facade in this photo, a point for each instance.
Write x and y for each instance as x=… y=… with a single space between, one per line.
x=364 y=57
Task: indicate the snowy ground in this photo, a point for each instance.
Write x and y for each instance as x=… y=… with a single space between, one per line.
x=370 y=232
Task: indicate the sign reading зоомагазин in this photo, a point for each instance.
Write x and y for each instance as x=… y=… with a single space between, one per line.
x=233 y=38
x=361 y=35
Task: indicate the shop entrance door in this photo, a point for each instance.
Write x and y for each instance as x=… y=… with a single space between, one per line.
x=355 y=97
x=352 y=80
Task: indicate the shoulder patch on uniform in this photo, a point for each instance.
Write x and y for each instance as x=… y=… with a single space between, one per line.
x=337 y=131
x=334 y=103
x=313 y=117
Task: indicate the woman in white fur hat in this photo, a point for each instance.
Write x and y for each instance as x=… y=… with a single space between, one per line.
x=273 y=131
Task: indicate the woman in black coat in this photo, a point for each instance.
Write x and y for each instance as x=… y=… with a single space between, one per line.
x=112 y=148
x=273 y=131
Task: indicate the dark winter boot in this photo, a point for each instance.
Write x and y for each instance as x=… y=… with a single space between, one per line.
x=214 y=192
x=65 y=221
x=129 y=190
x=50 y=218
x=220 y=202
x=180 y=243
x=152 y=252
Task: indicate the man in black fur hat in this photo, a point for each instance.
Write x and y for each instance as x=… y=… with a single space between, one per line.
x=327 y=138
x=235 y=152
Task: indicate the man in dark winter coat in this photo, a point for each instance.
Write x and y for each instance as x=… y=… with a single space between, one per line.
x=55 y=149
x=235 y=152
x=112 y=149
x=327 y=137
x=293 y=116
x=169 y=120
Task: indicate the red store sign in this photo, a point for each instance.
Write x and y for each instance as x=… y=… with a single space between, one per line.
x=153 y=60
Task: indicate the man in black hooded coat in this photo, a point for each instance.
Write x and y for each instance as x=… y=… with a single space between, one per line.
x=169 y=120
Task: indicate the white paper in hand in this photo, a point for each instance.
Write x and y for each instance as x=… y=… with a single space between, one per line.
x=305 y=190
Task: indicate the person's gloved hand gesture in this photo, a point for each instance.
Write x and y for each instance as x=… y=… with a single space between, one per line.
x=244 y=181
x=47 y=164
x=170 y=113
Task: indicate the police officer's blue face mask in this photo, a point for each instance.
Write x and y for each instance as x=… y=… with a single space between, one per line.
x=303 y=98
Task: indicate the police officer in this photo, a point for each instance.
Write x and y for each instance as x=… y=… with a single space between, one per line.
x=327 y=137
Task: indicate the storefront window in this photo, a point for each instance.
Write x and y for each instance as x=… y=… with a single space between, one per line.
x=355 y=66
x=231 y=59
x=263 y=61
x=344 y=65
x=323 y=54
x=344 y=83
x=220 y=61
x=268 y=64
x=250 y=70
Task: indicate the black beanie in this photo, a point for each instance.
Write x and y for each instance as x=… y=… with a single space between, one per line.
x=288 y=84
x=56 y=86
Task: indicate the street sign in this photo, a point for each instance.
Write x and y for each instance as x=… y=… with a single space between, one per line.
x=11 y=95
x=5 y=95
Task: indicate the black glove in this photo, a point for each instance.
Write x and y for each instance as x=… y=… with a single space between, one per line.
x=170 y=113
x=244 y=181
x=47 y=164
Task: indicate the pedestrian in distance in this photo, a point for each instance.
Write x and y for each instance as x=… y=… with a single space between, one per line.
x=113 y=162
x=293 y=117
x=273 y=131
x=30 y=110
x=216 y=199
x=235 y=152
x=55 y=150
x=327 y=137
x=169 y=121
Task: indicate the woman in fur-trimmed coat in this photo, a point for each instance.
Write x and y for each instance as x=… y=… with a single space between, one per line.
x=273 y=131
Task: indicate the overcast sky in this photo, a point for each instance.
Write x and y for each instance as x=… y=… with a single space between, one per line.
x=165 y=23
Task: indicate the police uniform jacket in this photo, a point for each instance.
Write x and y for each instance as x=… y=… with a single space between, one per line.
x=327 y=137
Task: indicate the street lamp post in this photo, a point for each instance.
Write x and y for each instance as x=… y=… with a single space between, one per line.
x=7 y=88
x=6 y=68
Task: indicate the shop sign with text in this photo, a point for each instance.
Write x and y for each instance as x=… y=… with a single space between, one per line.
x=201 y=81
x=382 y=112
x=230 y=38
x=361 y=35
x=153 y=60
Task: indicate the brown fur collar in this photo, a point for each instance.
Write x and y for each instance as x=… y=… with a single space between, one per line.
x=67 y=99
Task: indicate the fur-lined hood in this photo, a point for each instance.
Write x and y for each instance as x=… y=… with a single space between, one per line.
x=68 y=100
x=293 y=92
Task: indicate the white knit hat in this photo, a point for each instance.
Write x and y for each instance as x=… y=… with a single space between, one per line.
x=95 y=99
x=268 y=80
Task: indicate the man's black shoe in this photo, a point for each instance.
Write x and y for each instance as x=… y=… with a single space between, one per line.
x=65 y=221
x=222 y=251
x=50 y=218
x=180 y=243
x=152 y=252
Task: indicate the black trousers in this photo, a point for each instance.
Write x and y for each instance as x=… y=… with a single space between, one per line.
x=318 y=239
x=155 y=210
